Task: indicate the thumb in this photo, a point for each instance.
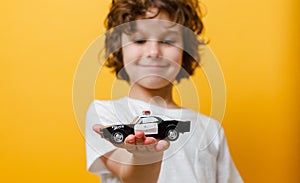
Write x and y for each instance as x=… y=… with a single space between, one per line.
x=97 y=127
x=162 y=145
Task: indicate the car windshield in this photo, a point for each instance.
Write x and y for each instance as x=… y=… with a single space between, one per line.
x=135 y=120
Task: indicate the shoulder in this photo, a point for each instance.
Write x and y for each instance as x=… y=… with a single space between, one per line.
x=100 y=103
x=97 y=107
x=107 y=112
x=105 y=105
x=102 y=109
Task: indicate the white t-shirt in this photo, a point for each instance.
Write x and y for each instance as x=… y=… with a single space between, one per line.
x=201 y=155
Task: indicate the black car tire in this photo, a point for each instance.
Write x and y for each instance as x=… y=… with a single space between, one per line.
x=117 y=137
x=172 y=134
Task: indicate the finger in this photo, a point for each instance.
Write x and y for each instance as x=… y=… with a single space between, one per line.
x=129 y=143
x=130 y=139
x=139 y=137
x=149 y=140
x=162 y=145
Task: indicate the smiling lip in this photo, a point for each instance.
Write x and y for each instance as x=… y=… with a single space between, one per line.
x=153 y=66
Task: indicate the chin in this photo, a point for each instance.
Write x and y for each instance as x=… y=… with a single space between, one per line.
x=153 y=83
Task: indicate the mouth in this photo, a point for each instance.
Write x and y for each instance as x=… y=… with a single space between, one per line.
x=152 y=66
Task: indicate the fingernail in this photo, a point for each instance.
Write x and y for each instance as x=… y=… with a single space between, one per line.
x=131 y=141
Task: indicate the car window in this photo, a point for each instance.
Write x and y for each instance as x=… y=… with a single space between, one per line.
x=149 y=120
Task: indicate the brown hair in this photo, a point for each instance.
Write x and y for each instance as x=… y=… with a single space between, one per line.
x=184 y=12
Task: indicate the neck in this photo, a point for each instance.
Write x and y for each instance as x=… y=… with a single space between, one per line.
x=161 y=97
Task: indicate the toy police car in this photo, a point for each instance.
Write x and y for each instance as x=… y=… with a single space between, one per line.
x=152 y=125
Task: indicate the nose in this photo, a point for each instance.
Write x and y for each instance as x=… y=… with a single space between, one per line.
x=153 y=49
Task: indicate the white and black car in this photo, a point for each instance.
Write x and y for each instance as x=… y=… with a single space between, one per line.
x=152 y=125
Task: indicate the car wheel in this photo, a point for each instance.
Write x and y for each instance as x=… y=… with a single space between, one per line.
x=117 y=137
x=172 y=134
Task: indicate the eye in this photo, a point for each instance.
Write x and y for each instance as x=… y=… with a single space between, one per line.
x=168 y=42
x=139 y=41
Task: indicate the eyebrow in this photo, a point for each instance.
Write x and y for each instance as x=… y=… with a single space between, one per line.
x=173 y=32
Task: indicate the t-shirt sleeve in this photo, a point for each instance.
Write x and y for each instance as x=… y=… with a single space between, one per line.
x=95 y=145
x=226 y=170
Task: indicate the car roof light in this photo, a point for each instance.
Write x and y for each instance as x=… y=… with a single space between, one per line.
x=146 y=112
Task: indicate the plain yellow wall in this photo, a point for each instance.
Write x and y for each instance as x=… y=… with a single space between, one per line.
x=257 y=45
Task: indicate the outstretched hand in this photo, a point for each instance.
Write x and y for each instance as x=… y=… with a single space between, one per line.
x=139 y=144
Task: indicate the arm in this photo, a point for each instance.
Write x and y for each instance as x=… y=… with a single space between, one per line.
x=138 y=159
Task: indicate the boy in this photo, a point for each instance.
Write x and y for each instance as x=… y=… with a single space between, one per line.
x=152 y=53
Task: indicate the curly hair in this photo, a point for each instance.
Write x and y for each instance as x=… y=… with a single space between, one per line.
x=184 y=12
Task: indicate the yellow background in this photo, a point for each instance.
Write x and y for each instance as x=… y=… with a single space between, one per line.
x=256 y=42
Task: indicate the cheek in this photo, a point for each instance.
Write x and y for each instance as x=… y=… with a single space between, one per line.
x=175 y=56
x=130 y=54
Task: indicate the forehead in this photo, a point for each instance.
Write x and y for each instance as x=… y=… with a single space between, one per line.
x=154 y=27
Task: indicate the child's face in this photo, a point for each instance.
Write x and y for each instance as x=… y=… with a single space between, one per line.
x=152 y=55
